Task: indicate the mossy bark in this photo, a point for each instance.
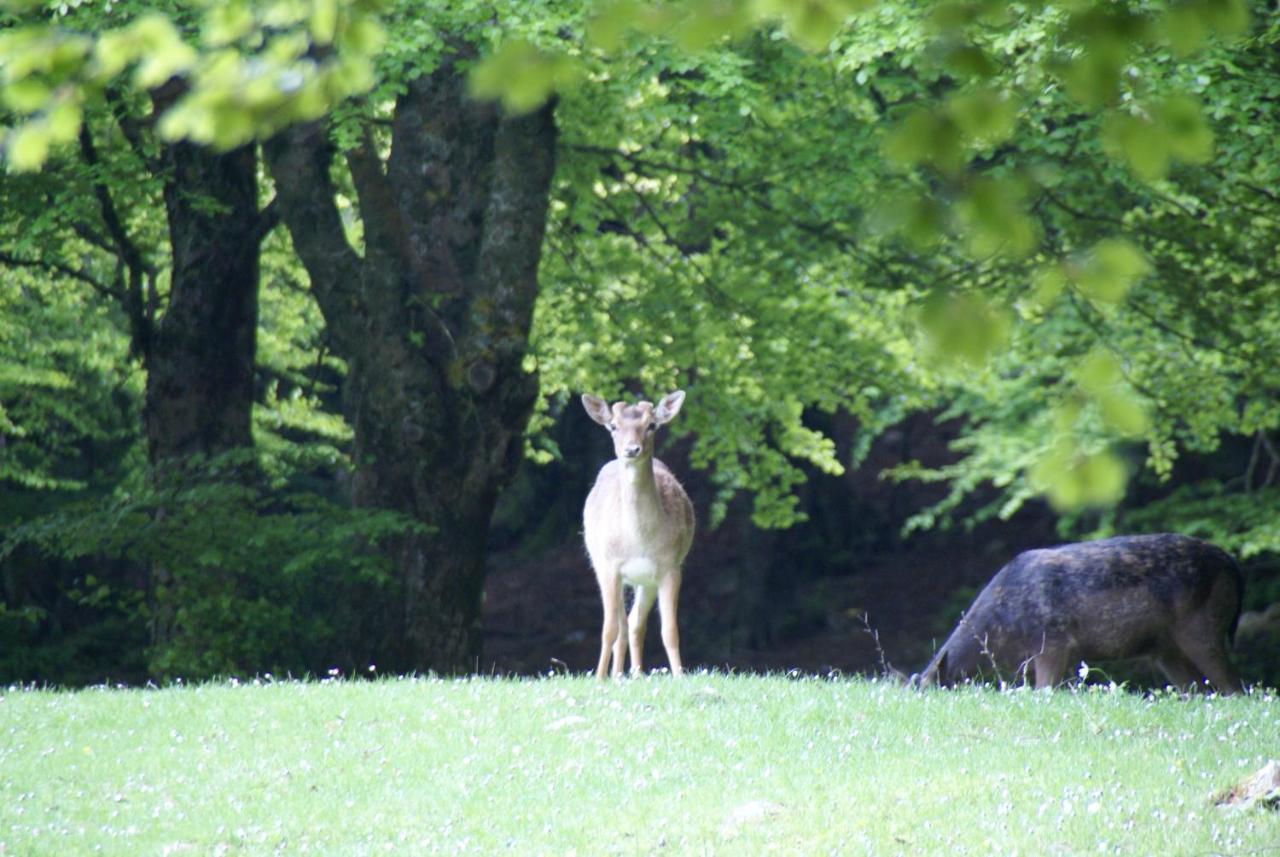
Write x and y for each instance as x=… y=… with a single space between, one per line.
x=433 y=320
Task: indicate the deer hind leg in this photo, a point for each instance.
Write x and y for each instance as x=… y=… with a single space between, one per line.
x=639 y=622
x=1181 y=672
x=1205 y=645
x=611 y=599
x=668 y=599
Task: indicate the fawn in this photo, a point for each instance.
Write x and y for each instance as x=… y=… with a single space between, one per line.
x=638 y=525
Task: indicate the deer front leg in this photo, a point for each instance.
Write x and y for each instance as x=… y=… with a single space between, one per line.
x=610 y=598
x=668 y=598
x=620 y=643
x=1050 y=667
x=639 y=621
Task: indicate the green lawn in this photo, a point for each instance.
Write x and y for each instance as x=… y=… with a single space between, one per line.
x=708 y=764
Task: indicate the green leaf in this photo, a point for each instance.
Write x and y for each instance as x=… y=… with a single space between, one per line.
x=1228 y=17
x=1182 y=121
x=1074 y=480
x=995 y=218
x=27 y=95
x=812 y=24
x=1101 y=377
x=114 y=51
x=1099 y=371
x=1139 y=143
x=926 y=136
x=522 y=76
x=610 y=22
x=162 y=51
x=1111 y=268
x=1184 y=29
x=970 y=61
x=1123 y=414
x=324 y=21
x=918 y=218
x=363 y=36
x=1047 y=285
x=983 y=115
x=28 y=146
x=963 y=325
x=708 y=21
x=226 y=23
x=1093 y=78
x=64 y=121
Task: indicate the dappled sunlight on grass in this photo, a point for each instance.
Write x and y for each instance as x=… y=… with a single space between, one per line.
x=728 y=764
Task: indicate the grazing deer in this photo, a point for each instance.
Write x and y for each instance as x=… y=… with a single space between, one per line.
x=1170 y=598
x=638 y=525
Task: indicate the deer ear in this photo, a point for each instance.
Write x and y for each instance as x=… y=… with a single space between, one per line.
x=597 y=409
x=668 y=407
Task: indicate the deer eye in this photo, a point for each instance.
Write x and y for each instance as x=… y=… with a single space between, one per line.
x=612 y=427
x=651 y=427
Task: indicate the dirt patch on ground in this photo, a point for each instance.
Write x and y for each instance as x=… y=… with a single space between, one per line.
x=542 y=613
x=813 y=598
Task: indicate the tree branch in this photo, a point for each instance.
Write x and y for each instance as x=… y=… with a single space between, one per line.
x=138 y=309
x=516 y=213
x=65 y=270
x=384 y=232
x=299 y=160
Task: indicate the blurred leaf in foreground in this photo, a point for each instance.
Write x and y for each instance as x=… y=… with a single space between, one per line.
x=1109 y=270
x=1073 y=479
x=963 y=326
x=522 y=76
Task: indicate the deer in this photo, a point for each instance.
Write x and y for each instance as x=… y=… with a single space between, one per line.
x=638 y=526
x=1169 y=598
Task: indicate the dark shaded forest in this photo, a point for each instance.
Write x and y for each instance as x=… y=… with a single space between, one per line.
x=297 y=299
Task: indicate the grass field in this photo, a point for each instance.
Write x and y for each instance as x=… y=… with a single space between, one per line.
x=709 y=764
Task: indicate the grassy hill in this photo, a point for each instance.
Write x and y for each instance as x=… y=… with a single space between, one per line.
x=710 y=764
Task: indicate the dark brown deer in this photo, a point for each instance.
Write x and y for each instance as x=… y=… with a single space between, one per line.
x=1170 y=598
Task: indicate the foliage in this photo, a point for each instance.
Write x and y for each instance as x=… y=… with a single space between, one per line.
x=728 y=764
x=67 y=398
x=1194 y=340
x=254 y=571
x=942 y=108
x=258 y=67
x=83 y=527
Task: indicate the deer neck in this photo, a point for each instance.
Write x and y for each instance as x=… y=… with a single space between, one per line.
x=640 y=486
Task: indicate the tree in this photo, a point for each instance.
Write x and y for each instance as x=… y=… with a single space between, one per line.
x=433 y=321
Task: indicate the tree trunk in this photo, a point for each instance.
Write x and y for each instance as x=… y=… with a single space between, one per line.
x=200 y=365
x=200 y=360
x=433 y=321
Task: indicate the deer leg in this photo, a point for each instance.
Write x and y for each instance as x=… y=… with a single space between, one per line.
x=639 y=620
x=610 y=597
x=1050 y=667
x=620 y=644
x=668 y=598
x=1181 y=672
x=1205 y=646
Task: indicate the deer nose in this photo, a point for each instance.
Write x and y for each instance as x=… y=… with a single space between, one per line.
x=632 y=451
